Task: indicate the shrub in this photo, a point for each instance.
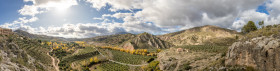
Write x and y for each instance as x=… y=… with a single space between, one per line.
x=187 y=66
x=153 y=65
x=150 y=60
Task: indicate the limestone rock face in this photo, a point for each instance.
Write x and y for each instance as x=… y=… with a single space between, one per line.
x=261 y=53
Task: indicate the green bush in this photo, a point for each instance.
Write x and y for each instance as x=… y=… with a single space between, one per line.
x=265 y=31
x=187 y=66
x=250 y=26
x=150 y=60
x=153 y=64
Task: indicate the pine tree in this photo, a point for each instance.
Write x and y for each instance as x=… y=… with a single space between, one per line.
x=250 y=26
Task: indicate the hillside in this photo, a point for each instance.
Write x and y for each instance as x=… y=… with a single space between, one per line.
x=41 y=37
x=23 y=54
x=201 y=36
x=146 y=41
x=110 y=39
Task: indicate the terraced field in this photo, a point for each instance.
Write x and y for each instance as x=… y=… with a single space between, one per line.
x=128 y=58
x=110 y=66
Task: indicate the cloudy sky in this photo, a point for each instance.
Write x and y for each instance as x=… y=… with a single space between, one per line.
x=89 y=18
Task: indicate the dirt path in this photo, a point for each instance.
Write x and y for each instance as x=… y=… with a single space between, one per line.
x=55 y=65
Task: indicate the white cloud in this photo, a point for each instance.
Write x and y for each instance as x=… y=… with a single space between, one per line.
x=272 y=20
x=116 y=4
x=24 y=20
x=29 y=10
x=134 y=24
x=273 y=7
x=249 y=15
x=19 y=22
x=173 y=13
x=98 y=4
x=121 y=15
x=75 y=30
x=40 y=6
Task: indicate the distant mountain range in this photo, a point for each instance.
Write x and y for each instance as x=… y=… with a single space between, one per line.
x=43 y=37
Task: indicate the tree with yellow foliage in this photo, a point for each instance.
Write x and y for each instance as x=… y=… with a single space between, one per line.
x=55 y=43
x=49 y=43
x=143 y=54
x=95 y=59
x=132 y=51
x=122 y=49
x=91 y=60
x=127 y=51
x=158 y=50
x=145 y=50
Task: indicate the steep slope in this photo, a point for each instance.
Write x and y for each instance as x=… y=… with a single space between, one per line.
x=202 y=35
x=145 y=41
x=23 y=54
x=41 y=37
x=110 y=39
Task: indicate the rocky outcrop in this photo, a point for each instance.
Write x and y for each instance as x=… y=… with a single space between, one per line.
x=261 y=53
x=146 y=41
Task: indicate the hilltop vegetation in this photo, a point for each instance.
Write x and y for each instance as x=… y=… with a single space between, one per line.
x=265 y=31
